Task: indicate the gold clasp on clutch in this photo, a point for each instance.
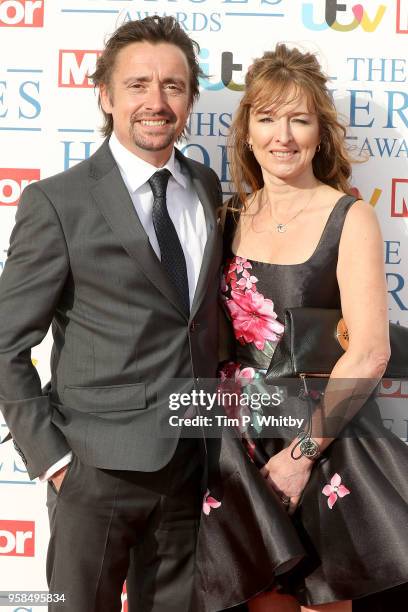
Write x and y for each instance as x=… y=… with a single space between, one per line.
x=342 y=334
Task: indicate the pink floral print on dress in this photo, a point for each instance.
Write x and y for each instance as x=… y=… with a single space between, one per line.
x=334 y=490
x=253 y=318
x=209 y=503
x=238 y=266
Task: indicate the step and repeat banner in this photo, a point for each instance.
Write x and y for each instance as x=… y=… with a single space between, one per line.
x=49 y=121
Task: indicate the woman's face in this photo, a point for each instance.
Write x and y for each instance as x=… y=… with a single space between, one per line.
x=284 y=139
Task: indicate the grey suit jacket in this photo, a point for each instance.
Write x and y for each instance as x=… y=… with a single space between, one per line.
x=81 y=261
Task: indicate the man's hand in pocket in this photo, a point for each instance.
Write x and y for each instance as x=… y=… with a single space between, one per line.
x=58 y=477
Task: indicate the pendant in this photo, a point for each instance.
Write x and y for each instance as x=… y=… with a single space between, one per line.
x=281 y=228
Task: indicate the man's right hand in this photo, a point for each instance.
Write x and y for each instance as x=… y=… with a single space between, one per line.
x=58 y=477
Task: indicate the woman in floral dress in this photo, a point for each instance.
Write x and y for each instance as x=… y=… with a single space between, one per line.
x=284 y=527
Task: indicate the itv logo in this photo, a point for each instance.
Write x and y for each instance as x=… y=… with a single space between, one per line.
x=74 y=66
x=332 y=8
x=22 y=13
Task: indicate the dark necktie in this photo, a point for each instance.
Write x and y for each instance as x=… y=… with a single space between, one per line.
x=171 y=252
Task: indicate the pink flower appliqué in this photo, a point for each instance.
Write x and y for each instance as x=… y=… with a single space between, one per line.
x=247 y=281
x=334 y=490
x=239 y=264
x=253 y=318
x=245 y=376
x=235 y=267
x=209 y=503
x=228 y=279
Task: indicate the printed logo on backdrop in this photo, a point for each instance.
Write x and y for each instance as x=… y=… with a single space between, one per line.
x=74 y=68
x=75 y=65
x=396 y=281
x=17 y=538
x=371 y=108
x=193 y=15
x=226 y=67
x=20 y=102
x=207 y=19
x=13 y=181
x=22 y=13
x=394 y=389
x=402 y=17
x=342 y=16
x=372 y=199
x=13 y=471
x=399 y=197
x=393 y=409
x=208 y=125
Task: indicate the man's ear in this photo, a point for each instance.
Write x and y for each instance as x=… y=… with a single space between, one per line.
x=106 y=98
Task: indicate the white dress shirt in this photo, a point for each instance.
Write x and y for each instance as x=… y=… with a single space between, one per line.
x=185 y=210
x=183 y=204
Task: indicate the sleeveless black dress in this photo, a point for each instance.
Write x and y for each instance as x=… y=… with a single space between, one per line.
x=349 y=535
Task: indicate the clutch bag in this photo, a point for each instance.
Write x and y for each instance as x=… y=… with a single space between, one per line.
x=316 y=338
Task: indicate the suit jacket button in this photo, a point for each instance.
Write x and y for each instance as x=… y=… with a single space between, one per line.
x=194 y=326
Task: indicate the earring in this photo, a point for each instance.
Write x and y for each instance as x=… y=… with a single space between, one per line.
x=318 y=148
x=249 y=146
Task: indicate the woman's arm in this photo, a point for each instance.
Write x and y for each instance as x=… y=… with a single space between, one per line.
x=361 y=278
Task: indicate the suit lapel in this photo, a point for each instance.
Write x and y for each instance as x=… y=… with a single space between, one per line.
x=114 y=202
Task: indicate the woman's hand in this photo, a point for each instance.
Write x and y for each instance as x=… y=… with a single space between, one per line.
x=287 y=476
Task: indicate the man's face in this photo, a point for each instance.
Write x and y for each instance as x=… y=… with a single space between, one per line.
x=149 y=99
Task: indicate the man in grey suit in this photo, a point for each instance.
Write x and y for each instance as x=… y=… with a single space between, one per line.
x=120 y=254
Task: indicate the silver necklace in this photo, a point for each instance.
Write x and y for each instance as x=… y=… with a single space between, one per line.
x=281 y=227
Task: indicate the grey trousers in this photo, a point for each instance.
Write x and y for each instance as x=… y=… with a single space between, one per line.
x=99 y=515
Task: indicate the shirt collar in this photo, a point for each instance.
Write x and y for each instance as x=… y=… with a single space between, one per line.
x=135 y=171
